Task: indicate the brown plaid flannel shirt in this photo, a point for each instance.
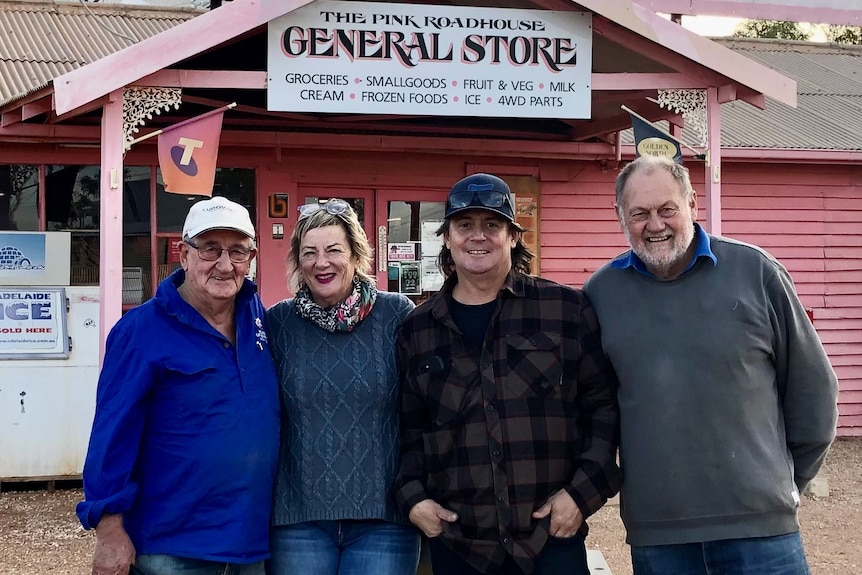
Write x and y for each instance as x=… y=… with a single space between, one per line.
x=492 y=434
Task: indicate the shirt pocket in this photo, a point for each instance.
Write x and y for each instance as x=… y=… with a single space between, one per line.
x=533 y=360
x=444 y=396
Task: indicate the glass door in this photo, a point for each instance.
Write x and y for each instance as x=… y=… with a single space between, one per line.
x=407 y=243
x=361 y=200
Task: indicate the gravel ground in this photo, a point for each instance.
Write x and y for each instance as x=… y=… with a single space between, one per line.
x=39 y=532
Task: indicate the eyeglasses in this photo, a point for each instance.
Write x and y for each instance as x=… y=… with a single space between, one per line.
x=333 y=207
x=485 y=193
x=236 y=254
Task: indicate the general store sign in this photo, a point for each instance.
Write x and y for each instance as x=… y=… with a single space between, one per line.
x=33 y=323
x=375 y=58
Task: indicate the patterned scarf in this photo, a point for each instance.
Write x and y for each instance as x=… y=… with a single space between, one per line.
x=344 y=316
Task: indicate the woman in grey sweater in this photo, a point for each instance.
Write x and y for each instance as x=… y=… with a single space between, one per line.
x=334 y=348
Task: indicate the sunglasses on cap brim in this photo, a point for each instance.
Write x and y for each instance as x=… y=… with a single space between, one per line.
x=484 y=193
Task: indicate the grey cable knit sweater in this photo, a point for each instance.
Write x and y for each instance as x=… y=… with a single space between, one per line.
x=340 y=415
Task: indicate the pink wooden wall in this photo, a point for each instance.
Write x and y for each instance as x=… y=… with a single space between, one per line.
x=809 y=217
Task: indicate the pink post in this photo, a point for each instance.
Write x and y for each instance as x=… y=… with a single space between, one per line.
x=713 y=163
x=111 y=219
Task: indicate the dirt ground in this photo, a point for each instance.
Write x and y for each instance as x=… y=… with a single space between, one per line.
x=39 y=533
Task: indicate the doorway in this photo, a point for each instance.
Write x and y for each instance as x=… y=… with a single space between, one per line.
x=401 y=225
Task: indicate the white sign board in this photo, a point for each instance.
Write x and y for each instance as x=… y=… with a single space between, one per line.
x=401 y=252
x=382 y=58
x=33 y=323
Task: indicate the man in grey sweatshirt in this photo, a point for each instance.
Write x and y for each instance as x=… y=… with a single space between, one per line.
x=728 y=403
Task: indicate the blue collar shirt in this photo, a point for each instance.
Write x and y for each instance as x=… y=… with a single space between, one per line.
x=185 y=438
x=630 y=260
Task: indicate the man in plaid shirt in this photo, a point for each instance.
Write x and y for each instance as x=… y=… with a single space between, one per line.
x=509 y=414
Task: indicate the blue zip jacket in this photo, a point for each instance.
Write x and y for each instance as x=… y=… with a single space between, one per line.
x=185 y=438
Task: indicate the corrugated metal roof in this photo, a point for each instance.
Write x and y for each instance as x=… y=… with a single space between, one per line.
x=829 y=112
x=828 y=115
x=42 y=39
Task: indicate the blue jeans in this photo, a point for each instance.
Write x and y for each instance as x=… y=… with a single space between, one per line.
x=344 y=548
x=780 y=555
x=170 y=565
x=557 y=557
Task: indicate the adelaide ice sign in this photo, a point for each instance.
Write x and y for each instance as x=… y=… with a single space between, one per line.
x=381 y=58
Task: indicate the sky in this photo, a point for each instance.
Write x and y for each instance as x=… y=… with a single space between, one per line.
x=710 y=25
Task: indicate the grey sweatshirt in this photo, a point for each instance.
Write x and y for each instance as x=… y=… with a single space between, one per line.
x=728 y=403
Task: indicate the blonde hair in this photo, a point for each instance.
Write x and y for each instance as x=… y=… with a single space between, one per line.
x=361 y=251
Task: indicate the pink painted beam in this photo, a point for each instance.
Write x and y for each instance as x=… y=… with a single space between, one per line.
x=825 y=11
x=703 y=51
x=31 y=97
x=430 y=145
x=623 y=120
x=41 y=132
x=11 y=117
x=712 y=177
x=111 y=219
x=631 y=81
x=232 y=79
x=81 y=110
x=33 y=109
x=247 y=109
x=79 y=87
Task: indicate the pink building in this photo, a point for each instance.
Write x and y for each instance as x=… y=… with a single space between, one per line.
x=73 y=83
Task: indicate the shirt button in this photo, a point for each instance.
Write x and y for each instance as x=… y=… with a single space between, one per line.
x=500 y=499
x=505 y=540
x=490 y=408
x=226 y=344
x=484 y=366
x=496 y=453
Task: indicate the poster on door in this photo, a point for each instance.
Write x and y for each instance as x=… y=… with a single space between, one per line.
x=411 y=275
x=432 y=279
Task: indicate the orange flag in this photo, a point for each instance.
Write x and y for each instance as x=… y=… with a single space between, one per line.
x=188 y=152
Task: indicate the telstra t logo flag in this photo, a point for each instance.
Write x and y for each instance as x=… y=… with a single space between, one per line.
x=188 y=152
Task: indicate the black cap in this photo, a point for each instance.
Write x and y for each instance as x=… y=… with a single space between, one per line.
x=481 y=192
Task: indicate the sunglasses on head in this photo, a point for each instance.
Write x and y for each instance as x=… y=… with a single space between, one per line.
x=485 y=193
x=333 y=207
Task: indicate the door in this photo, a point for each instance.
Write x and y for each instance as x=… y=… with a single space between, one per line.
x=401 y=226
x=407 y=241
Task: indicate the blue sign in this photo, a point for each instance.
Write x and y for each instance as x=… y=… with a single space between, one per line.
x=22 y=252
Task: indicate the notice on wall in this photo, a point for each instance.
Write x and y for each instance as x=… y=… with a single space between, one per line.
x=432 y=279
x=411 y=277
x=382 y=58
x=33 y=323
x=401 y=252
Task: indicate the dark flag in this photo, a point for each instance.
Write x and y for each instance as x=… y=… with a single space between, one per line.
x=650 y=141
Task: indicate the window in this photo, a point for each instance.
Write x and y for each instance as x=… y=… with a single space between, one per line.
x=19 y=194
x=236 y=184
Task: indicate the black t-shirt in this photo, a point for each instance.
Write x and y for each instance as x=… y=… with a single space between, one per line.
x=472 y=320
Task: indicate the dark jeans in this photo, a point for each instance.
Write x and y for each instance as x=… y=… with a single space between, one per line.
x=558 y=557
x=780 y=555
x=170 y=565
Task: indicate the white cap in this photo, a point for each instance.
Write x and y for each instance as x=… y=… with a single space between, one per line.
x=217 y=213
